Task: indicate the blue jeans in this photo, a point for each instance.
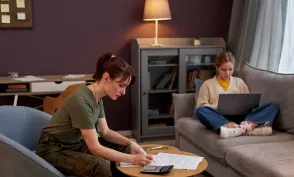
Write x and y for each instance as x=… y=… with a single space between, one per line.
x=212 y=119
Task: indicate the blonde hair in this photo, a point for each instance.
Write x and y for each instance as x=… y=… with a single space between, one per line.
x=224 y=57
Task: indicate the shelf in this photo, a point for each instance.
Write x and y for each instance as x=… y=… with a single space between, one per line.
x=162 y=116
x=163 y=91
x=164 y=71
x=191 y=90
x=200 y=64
x=162 y=65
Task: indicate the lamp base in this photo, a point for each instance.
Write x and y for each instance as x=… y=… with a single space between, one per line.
x=156 y=45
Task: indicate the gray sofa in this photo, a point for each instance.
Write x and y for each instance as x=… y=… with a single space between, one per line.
x=251 y=156
x=20 y=129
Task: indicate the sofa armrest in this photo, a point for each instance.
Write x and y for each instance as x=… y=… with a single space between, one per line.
x=184 y=105
x=16 y=160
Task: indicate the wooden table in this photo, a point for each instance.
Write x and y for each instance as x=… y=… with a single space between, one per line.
x=135 y=171
x=52 y=84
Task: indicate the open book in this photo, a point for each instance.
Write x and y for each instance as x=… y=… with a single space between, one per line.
x=179 y=161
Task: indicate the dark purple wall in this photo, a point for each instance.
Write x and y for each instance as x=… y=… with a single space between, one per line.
x=68 y=37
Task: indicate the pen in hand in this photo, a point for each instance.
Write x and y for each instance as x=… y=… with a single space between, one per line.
x=154 y=148
x=143 y=152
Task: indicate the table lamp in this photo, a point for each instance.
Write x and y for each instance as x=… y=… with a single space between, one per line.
x=156 y=10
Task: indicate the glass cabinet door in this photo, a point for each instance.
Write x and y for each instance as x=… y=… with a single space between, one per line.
x=159 y=80
x=196 y=63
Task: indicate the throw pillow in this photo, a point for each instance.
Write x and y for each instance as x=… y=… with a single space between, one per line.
x=198 y=83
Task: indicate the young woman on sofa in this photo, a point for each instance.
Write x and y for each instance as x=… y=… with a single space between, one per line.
x=70 y=140
x=257 y=122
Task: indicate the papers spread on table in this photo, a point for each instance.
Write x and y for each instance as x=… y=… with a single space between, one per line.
x=126 y=164
x=28 y=79
x=72 y=76
x=179 y=161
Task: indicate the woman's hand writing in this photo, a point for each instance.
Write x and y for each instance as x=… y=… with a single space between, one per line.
x=142 y=159
x=136 y=149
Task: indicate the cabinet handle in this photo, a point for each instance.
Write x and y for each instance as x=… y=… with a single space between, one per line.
x=144 y=93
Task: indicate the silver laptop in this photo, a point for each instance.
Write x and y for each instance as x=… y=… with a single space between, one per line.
x=238 y=104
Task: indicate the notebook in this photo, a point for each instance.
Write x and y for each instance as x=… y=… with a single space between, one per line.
x=238 y=104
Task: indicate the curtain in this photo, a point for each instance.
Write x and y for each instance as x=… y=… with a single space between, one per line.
x=287 y=56
x=256 y=33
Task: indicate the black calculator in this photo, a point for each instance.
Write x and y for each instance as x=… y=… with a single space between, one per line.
x=157 y=169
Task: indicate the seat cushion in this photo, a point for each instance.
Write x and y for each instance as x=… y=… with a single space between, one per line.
x=209 y=141
x=268 y=159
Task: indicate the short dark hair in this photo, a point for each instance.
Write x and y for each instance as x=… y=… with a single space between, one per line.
x=115 y=67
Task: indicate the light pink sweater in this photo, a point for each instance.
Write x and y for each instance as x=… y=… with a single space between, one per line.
x=210 y=90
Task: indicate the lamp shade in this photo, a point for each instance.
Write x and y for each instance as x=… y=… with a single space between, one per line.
x=156 y=10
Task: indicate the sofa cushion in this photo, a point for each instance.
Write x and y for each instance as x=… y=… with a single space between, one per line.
x=184 y=105
x=268 y=159
x=209 y=141
x=275 y=88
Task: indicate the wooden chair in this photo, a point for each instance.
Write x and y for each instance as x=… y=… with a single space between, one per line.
x=51 y=104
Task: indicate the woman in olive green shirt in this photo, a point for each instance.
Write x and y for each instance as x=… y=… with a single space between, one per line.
x=70 y=140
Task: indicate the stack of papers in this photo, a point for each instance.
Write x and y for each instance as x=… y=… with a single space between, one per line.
x=73 y=76
x=27 y=79
x=178 y=161
x=126 y=164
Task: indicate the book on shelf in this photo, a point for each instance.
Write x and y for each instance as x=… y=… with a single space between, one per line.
x=17 y=90
x=205 y=74
x=164 y=81
x=167 y=81
x=198 y=73
x=170 y=108
x=17 y=86
x=172 y=81
x=190 y=80
x=157 y=125
x=194 y=75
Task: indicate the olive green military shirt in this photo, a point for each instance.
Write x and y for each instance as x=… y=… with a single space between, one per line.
x=78 y=111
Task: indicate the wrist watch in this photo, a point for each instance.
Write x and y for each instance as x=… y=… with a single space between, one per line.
x=132 y=139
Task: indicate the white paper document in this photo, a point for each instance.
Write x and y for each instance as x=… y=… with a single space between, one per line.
x=178 y=161
x=72 y=76
x=27 y=79
x=126 y=164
